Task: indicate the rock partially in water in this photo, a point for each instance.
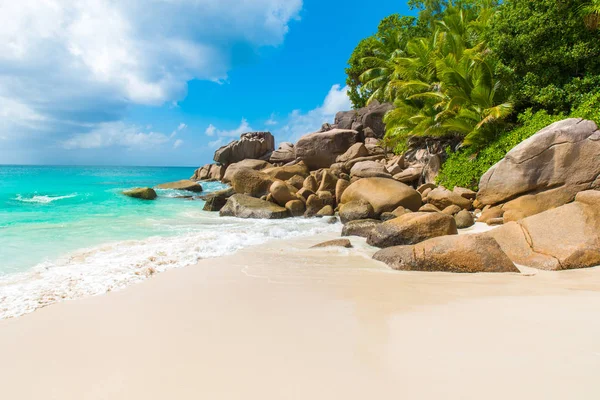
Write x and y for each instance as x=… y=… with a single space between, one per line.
x=184 y=184
x=361 y=227
x=356 y=210
x=141 y=193
x=243 y=206
x=345 y=243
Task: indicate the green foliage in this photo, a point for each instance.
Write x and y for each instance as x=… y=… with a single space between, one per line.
x=374 y=53
x=588 y=108
x=490 y=72
x=445 y=84
x=546 y=51
x=590 y=12
x=357 y=65
x=465 y=167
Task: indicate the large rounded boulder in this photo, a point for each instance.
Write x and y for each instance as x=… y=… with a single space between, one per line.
x=355 y=151
x=209 y=172
x=184 y=184
x=282 y=192
x=243 y=206
x=141 y=193
x=369 y=169
x=361 y=227
x=550 y=168
x=320 y=149
x=287 y=172
x=356 y=210
x=384 y=195
x=251 y=182
x=284 y=154
x=256 y=165
x=412 y=228
x=567 y=237
x=254 y=145
x=459 y=254
x=443 y=198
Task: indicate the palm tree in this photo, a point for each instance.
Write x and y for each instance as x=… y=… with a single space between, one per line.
x=447 y=86
x=590 y=11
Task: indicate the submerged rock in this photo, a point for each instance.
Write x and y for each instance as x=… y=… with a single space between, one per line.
x=141 y=193
x=243 y=206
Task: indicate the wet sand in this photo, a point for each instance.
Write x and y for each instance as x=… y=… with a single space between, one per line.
x=281 y=321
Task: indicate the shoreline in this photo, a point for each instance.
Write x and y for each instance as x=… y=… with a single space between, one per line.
x=280 y=320
x=116 y=265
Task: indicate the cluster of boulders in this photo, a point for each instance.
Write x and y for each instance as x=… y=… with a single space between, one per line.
x=351 y=145
x=541 y=195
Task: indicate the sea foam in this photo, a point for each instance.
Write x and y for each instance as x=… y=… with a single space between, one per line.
x=113 y=266
x=43 y=199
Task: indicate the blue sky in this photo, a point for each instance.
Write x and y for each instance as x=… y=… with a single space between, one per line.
x=165 y=82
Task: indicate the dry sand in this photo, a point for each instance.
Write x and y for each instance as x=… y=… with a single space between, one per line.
x=284 y=322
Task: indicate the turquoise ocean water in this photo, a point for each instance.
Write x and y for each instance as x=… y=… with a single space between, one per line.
x=67 y=232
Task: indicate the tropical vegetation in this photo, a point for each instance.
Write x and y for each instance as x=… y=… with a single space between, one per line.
x=488 y=72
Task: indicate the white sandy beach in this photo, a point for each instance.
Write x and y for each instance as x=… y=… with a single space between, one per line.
x=280 y=321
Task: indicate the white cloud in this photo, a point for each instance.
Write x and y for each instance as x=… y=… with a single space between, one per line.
x=336 y=100
x=211 y=130
x=118 y=134
x=243 y=128
x=180 y=128
x=271 y=121
x=81 y=63
x=299 y=123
